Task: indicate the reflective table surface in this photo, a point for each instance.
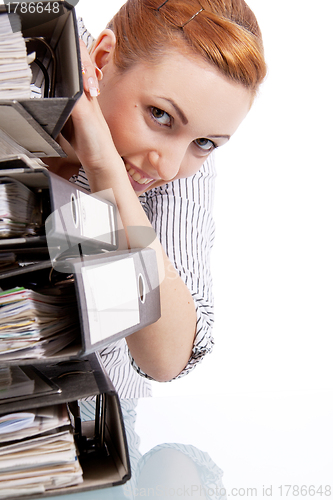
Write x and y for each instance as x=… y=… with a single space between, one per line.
x=261 y=445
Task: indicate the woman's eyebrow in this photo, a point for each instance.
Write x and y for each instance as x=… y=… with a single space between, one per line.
x=219 y=137
x=179 y=112
x=184 y=120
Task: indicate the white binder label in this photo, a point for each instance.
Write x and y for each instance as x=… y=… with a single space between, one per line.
x=95 y=218
x=112 y=298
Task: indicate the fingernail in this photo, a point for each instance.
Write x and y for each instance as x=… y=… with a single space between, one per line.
x=93 y=88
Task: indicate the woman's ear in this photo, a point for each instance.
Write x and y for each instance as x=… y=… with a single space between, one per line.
x=103 y=48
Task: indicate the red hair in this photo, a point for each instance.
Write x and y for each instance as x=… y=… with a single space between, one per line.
x=225 y=33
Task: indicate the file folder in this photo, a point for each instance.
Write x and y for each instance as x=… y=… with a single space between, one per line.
x=102 y=443
x=21 y=133
x=70 y=213
x=117 y=293
x=58 y=28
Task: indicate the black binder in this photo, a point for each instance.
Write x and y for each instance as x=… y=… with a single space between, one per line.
x=69 y=212
x=117 y=291
x=132 y=303
x=102 y=443
x=58 y=29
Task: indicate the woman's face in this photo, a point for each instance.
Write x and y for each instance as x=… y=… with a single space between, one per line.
x=166 y=119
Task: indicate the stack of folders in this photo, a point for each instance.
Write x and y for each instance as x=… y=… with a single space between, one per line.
x=19 y=211
x=34 y=324
x=15 y=72
x=37 y=452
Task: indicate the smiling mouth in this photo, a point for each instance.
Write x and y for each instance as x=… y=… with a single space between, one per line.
x=137 y=177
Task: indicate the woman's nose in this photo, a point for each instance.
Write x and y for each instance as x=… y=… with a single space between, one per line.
x=167 y=163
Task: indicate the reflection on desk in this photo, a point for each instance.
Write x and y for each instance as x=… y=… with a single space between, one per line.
x=263 y=441
x=167 y=470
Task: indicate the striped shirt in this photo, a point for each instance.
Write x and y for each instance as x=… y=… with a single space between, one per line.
x=180 y=212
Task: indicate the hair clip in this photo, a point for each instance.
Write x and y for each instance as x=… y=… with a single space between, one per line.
x=191 y=19
x=158 y=8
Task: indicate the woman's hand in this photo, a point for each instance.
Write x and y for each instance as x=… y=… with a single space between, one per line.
x=87 y=130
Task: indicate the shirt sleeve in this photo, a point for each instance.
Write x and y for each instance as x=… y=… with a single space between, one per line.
x=181 y=213
x=84 y=34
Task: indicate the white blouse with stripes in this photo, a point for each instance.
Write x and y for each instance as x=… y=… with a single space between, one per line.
x=181 y=214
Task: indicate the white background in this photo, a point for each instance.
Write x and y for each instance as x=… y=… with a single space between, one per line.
x=272 y=262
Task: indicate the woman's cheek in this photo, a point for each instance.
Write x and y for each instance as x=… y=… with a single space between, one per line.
x=124 y=137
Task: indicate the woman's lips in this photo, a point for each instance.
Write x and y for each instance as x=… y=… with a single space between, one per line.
x=138 y=177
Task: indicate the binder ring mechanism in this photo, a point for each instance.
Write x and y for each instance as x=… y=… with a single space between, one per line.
x=49 y=82
x=142 y=288
x=75 y=210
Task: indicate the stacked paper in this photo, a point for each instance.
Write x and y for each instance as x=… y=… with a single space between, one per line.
x=18 y=206
x=37 y=452
x=15 y=72
x=34 y=325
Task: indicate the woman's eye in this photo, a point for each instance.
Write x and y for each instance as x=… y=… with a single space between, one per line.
x=205 y=144
x=162 y=117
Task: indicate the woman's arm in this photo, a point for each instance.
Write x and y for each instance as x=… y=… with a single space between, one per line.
x=181 y=213
x=162 y=349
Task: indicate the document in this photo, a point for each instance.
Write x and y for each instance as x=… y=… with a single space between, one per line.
x=15 y=422
x=44 y=419
x=35 y=324
x=15 y=72
x=40 y=454
x=18 y=209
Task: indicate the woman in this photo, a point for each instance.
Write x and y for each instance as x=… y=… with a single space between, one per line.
x=165 y=84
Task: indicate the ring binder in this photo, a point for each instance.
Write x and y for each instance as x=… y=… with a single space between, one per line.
x=59 y=32
x=117 y=291
x=102 y=444
x=69 y=212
